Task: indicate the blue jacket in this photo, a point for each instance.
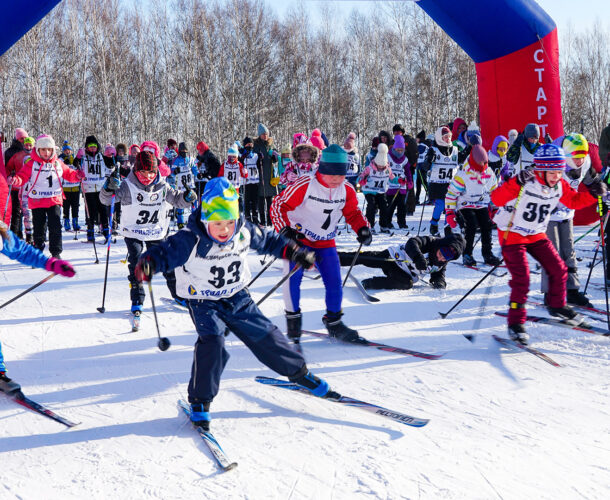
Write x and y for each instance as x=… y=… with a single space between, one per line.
x=176 y=250
x=19 y=250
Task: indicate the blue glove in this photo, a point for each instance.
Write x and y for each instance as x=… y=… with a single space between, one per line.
x=190 y=196
x=112 y=183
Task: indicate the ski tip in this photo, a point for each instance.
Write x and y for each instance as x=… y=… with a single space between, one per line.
x=230 y=467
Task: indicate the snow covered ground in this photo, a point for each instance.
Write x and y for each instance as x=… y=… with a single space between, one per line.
x=503 y=425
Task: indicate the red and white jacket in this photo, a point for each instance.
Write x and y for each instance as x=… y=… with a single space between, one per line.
x=314 y=209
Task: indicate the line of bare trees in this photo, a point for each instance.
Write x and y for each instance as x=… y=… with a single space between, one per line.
x=195 y=69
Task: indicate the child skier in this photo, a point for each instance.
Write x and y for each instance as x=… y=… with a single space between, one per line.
x=249 y=160
x=442 y=160
x=497 y=154
x=305 y=156
x=526 y=202
x=400 y=184
x=521 y=153
x=212 y=272
x=561 y=230
x=45 y=172
x=145 y=197
x=18 y=250
x=468 y=195
x=308 y=212
x=374 y=182
x=184 y=169
x=402 y=264
x=71 y=191
x=232 y=169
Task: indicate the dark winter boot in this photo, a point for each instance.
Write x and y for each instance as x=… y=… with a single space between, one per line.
x=336 y=328
x=90 y=235
x=67 y=224
x=200 y=415
x=317 y=386
x=434 y=228
x=29 y=239
x=468 y=260
x=491 y=260
x=294 y=325
x=578 y=298
x=106 y=233
x=8 y=386
x=75 y=224
x=567 y=315
x=518 y=334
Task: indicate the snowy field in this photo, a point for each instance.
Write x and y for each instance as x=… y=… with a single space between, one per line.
x=502 y=424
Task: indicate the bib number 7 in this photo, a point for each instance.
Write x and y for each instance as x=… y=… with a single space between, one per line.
x=328 y=212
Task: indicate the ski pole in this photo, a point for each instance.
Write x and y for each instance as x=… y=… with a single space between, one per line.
x=97 y=261
x=595 y=257
x=44 y=280
x=267 y=266
x=352 y=265
x=421 y=218
x=280 y=283
x=601 y=232
x=164 y=342
x=583 y=235
x=103 y=309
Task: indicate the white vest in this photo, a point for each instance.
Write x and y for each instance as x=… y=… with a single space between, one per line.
x=250 y=166
x=377 y=181
x=562 y=212
x=398 y=169
x=317 y=217
x=185 y=176
x=398 y=252
x=145 y=219
x=526 y=159
x=232 y=173
x=533 y=212
x=45 y=180
x=476 y=189
x=443 y=167
x=220 y=274
x=95 y=173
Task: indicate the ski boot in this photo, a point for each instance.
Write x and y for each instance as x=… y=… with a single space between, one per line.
x=518 y=334
x=106 y=233
x=180 y=301
x=315 y=385
x=8 y=386
x=181 y=225
x=337 y=329
x=434 y=228
x=200 y=415
x=567 y=315
x=75 y=224
x=491 y=260
x=294 y=325
x=577 y=298
x=136 y=310
x=384 y=230
x=468 y=260
x=90 y=235
x=29 y=239
x=66 y=224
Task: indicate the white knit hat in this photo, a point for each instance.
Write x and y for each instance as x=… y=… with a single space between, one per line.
x=44 y=141
x=382 y=155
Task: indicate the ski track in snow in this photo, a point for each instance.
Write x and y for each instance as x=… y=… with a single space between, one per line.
x=503 y=425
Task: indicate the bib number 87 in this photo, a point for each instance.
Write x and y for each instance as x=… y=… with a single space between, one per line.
x=535 y=211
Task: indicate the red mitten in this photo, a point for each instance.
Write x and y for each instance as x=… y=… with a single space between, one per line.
x=450 y=218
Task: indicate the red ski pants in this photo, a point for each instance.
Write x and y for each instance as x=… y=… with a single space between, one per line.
x=515 y=258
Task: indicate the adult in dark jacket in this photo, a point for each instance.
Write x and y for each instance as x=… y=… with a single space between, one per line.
x=208 y=166
x=267 y=156
x=604 y=146
x=15 y=147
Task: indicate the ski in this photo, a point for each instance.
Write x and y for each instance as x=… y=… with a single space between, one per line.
x=362 y=290
x=511 y=344
x=401 y=418
x=173 y=303
x=584 y=311
x=481 y=270
x=382 y=347
x=557 y=322
x=19 y=398
x=209 y=439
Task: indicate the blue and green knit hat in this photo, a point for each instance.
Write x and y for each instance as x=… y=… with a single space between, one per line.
x=219 y=201
x=334 y=161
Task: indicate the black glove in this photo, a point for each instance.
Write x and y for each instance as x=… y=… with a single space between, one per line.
x=597 y=188
x=438 y=283
x=524 y=176
x=112 y=183
x=177 y=170
x=291 y=233
x=145 y=268
x=421 y=264
x=301 y=255
x=364 y=236
x=190 y=196
x=200 y=176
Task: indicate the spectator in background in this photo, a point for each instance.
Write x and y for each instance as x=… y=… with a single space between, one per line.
x=267 y=157
x=207 y=165
x=16 y=153
x=604 y=146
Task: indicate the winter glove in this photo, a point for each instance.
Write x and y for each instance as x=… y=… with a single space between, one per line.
x=177 y=170
x=80 y=153
x=62 y=267
x=190 y=196
x=200 y=176
x=365 y=236
x=402 y=181
x=420 y=263
x=409 y=185
x=274 y=181
x=10 y=180
x=524 y=176
x=302 y=256
x=597 y=188
x=450 y=218
x=291 y=233
x=145 y=268
x=112 y=183
x=438 y=282
x=291 y=176
x=80 y=174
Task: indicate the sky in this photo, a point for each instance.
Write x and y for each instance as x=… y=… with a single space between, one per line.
x=579 y=14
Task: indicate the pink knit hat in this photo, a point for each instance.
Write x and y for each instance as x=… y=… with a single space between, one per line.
x=316 y=139
x=20 y=134
x=109 y=150
x=350 y=142
x=299 y=138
